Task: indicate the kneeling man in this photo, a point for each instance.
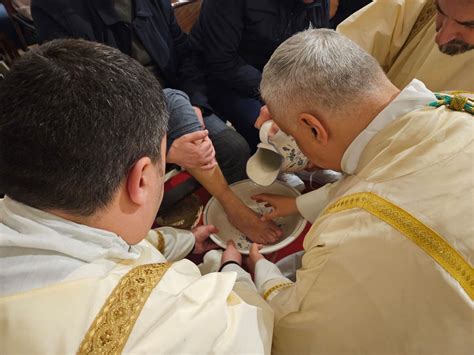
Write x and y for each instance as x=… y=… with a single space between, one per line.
x=82 y=154
x=387 y=265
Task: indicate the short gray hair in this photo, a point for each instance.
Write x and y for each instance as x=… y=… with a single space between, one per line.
x=319 y=69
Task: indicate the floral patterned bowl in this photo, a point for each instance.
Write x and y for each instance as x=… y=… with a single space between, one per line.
x=214 y=214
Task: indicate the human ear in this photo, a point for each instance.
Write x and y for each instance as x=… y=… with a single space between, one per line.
x=139 y=180
x=318 y=129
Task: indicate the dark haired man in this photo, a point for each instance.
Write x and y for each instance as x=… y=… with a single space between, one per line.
x=147 y=31
x=83 y=177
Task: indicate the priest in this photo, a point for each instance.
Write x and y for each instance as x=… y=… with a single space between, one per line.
x=431 y=40
x=387 y=264
x=82 y=154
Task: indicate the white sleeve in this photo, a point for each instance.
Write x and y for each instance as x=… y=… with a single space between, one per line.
x=175 y=244
x=268 y=277
x=242 y=275
x=311 y=204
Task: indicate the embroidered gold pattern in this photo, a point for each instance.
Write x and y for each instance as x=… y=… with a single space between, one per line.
x=423 y=236
x=160 y=242
x=426 y=14
x=276 y=288
x=112 y=326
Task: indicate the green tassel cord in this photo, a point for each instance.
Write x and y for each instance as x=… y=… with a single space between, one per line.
x=454 y=102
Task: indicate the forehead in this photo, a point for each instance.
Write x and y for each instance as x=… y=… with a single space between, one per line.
x=459 y=10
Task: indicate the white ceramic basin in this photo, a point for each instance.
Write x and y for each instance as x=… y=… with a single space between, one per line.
x=214 y=214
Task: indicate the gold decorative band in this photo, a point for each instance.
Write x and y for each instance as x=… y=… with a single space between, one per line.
x=423 y=236
x=426 y=14
x=161 y=242
x=112 y=326
x=276 y=288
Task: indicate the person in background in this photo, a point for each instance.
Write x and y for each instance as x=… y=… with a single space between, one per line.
x=80 y=270
x=235 y=38
x=147 y=31
x=387 y=266
x=430 y=40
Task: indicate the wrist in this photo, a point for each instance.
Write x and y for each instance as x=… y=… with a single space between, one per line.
x=228 y=262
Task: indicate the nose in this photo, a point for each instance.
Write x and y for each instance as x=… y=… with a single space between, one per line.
x=447 y=31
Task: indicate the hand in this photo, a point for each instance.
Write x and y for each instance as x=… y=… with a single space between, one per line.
x=231 y=254
x=199 y=115
x=193 y=150
x=254 y=257
x=282 y=205
x=203 y=243
x=262 y=117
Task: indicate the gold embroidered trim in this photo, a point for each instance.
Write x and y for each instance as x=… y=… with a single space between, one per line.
x=160 y=245
x=276 y=288
x=426 y=14
x=423 y=236
x=112 y=326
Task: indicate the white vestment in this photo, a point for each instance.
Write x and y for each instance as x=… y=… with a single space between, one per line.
x=406 y=48
x=364 y=287
x=56 y=275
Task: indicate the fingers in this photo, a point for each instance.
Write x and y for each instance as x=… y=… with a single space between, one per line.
x=231 y=245
x=209 y=166
x=262 y=197
x=263 y=117
x=195 y=136
x=273 y=130
x=205 y=229
x=255 y=249
x=212 y=229
x=231 y=254
x=270 y=215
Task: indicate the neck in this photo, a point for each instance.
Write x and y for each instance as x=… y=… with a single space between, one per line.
x=99 y=220
x=362 y=115
x=370 y=108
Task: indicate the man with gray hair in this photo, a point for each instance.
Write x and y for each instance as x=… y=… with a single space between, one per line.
x=387 y=265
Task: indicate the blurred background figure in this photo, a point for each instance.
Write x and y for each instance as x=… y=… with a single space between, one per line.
x=430 y=40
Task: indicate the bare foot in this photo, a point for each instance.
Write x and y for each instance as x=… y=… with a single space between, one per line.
x=249 y=223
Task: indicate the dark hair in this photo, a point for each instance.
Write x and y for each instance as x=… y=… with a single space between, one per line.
x=74 y=118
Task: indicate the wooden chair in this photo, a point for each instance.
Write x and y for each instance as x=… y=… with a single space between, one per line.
x=187 y=13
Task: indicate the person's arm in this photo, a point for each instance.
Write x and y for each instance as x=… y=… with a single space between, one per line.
x=283 y=295
x=47 y=27
x=231 y=261
x=220 y=27
x=190 y=78
x=382 y=27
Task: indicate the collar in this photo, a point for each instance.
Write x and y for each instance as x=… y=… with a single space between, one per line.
x=27 y=227
x=414 y=96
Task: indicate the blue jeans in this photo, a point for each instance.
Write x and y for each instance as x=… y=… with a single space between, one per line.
x=239 y=109
x=232 y=151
